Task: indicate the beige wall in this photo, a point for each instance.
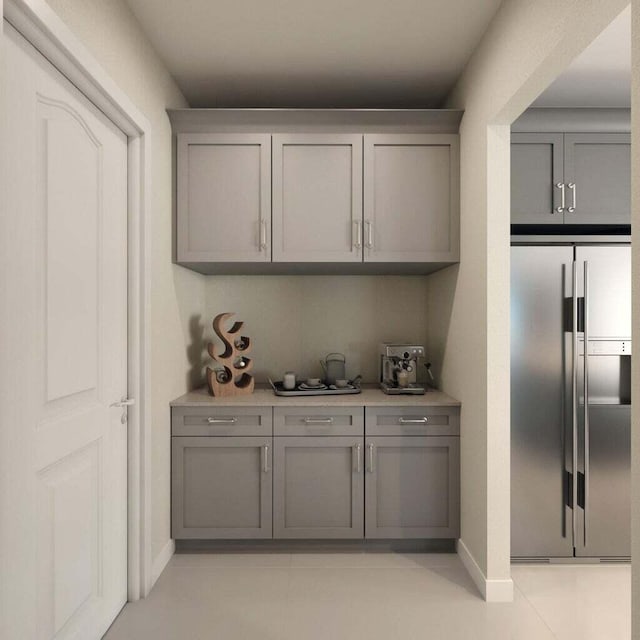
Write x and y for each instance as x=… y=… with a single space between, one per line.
x=110 y=31
x=295 y=320
x=635 y=251
x=527 y=45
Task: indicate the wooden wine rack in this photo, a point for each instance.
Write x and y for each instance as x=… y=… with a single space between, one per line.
x=234 y=378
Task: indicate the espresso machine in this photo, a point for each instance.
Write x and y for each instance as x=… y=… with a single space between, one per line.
x=398 y=364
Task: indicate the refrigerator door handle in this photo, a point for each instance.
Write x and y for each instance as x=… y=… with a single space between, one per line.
x=586 y=398
x=574 y=404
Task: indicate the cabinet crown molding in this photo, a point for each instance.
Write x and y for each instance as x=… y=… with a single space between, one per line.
x=319 y=120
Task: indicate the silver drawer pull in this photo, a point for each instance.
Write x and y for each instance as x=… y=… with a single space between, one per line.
x=265 y=458
x=357 y=449
x=222 y=420
x=318 y=420
x=371 y=468
x=422 y=420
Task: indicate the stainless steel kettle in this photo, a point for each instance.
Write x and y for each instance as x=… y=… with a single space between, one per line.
x=334 y=367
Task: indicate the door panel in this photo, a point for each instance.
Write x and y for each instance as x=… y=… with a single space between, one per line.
x=536 y=169
x=317 y=198
x=599 y=164
x=411 y=198
x=318 y=489
x=224 y=197
x=609 y=290
x=540 y=355
x=65 y=283
x=606 y=518
x=412 y=487
x=221 y=487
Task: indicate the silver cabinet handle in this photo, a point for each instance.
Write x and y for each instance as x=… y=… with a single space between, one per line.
x=371 y=468
x=422 y=420
x=265 y=458
x=263 y=234
x=586 y=397
x=318 y=420
x=574 y=193
x=357 y=234
x=357 y=449
x=125 y=402
x=369 y=243
x=560 y=209
x=222 y=420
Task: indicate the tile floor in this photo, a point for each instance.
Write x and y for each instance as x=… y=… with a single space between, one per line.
x=306 y=596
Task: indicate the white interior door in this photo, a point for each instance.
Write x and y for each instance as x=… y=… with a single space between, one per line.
x=63 y=321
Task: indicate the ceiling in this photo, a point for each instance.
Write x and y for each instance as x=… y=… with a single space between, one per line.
x=315 y=53
x=600 y=76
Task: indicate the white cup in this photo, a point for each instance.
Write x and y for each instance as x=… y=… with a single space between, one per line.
x=289 y=380
x=341 y=383
x=403 y=379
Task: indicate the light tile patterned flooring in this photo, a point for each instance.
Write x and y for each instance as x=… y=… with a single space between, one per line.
x=336 y=596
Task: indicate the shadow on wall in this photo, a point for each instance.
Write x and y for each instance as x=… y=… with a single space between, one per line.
x=196 y=353
x=442 y=289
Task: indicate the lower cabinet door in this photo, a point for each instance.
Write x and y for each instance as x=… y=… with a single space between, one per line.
x=221 y=487
x=318 y=489
x=412 y=487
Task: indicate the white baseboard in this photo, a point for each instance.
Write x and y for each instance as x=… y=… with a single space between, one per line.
x=161 y=560
x=500 y=590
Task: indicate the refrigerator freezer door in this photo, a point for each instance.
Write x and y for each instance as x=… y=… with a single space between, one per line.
x=608 y=512
x=541 y=281
x=609 y=292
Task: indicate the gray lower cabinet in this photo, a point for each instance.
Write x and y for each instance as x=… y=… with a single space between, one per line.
x=314 y=472
x=221 y=487
x=412 y=487
x=318 y=487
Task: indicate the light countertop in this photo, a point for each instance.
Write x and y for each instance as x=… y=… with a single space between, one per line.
x=263 y=396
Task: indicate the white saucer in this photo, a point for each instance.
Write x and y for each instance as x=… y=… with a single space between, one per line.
x=307 y=387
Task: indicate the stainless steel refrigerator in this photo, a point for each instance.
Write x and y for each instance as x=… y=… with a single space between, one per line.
x=570 y=406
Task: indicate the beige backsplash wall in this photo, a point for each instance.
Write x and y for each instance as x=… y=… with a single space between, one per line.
x=295 y=320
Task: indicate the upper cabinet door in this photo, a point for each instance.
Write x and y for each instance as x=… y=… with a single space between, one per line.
x=411 y=198
x=317 y=198
x=224 y=198
x=598 y=165
x=536 y=173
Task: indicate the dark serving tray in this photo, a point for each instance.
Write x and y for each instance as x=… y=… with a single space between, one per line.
x=279 y=390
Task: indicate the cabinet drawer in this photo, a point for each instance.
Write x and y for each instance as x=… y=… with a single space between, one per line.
x=413 y=421
x=221 y=421
x=318 y=421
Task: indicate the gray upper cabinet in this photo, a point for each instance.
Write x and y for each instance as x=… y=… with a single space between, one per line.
x=570 y=178
x=412 y=487
x=317 y=198
x=536 y=172
x=411 y=198
x=318 y=489
x=598 y=165
x=221 y=487
x=223 y=197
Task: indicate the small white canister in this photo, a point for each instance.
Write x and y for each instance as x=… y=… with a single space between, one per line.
x=289 y=380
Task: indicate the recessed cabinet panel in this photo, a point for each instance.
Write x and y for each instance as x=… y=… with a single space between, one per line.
x=411 y=198
x=412 y=487
x=598 y=165
x=317 y=198
x=221 y=487
x=318 y=487
x=536 y=169
x=224 y=198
